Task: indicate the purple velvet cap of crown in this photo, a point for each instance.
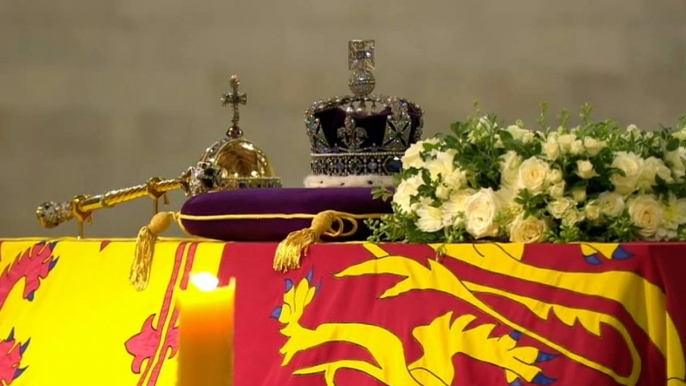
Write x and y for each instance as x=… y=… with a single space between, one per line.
x=374 y=125
x=275 y=201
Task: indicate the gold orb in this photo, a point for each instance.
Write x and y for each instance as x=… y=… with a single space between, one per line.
x=241 y=165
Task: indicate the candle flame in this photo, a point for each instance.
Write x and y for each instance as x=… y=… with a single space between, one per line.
x=205 y=281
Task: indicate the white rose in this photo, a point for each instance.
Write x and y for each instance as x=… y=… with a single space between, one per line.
x=665 y=234
x=527 y=230
x=645 y=213
x=632 y=166
x=507 y=195
x=456 y=179
x=442 y=192
x=680 y=209
x=675 y=159
x=673 y=215
x=592 y=210
x=579 y=194
x=653 y=167
x=485 y=123
x=572 y=217
x=681 y=134
x=593 y=146
x=413 y=155
x=430 y=218
x=533 y=175
x=480 y=213
x=442 y=165
x=577 y=147
x=585 y=169
x=558 y=208
x=511 y=208
x=455 y=205
x=565 y=141
x=551 y=150
x=611 y=204
x=519 y=134
x=557 y=190
x=406 y=189
x=555 y=176
x=631 y=129
x=509 y=166
x=498 y=142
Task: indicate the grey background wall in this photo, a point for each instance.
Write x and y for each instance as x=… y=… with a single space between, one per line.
x=96 y=95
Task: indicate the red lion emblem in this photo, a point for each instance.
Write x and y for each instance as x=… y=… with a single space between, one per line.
x=11 y=354
x=33 y=265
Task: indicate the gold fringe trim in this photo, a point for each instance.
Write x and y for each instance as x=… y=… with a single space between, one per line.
x=145 y=248
x=328 y=223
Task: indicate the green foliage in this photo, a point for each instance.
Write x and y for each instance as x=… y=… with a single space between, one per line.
x=487 y=156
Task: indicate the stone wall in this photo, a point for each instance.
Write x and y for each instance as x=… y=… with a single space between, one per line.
x=96 y=95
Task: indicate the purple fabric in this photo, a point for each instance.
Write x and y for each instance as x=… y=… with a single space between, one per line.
x=275 y=201
x=374 y=125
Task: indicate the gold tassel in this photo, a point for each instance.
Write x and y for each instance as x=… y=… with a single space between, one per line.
x=145 y=248
x=291 y=249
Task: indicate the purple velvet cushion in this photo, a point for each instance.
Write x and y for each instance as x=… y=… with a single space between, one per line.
x=275 y=201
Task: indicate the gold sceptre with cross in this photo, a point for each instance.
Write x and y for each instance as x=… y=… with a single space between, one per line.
x=231 y=163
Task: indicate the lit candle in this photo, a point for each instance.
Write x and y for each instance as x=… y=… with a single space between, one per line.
x=206 y=330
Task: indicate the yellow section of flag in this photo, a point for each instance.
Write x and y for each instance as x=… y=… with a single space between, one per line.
x=69 y=316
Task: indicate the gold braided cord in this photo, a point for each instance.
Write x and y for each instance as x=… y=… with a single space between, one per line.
x=327 y=223
x=288 y=254
x=142 y=262
x=278 y=216
x=177 y=218
x=145 y=248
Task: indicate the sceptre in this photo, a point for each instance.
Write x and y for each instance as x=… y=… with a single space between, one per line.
x=216 y=170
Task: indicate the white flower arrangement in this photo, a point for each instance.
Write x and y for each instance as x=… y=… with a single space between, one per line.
x=592 y=182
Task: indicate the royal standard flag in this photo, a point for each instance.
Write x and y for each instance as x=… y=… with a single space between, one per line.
x=354 y=314
x=69 y=316
x=463 y=315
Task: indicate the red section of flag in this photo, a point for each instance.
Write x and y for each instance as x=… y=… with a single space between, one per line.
x=29 y=268
x=33 y=265
x=11 y=355
x=160 y=329
x=104 y=244
x=341 y=302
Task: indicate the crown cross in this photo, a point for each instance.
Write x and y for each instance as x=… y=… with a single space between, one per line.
x=360 y=55
x=234 y=98
x=361 y=62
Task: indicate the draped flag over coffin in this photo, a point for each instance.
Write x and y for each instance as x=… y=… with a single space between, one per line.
x=355 y=314
x=482 y=314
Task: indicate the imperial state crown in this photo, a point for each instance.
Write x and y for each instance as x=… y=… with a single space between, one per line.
x=359 y=139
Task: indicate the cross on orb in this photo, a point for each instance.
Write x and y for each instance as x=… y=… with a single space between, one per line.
x=234 y=98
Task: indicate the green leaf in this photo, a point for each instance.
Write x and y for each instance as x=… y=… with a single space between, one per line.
x=563 y=117
x=673 y=144
x=542 y=120
x=382 y=192
x=585 y=115
x=505 y=136
x=426 y=177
